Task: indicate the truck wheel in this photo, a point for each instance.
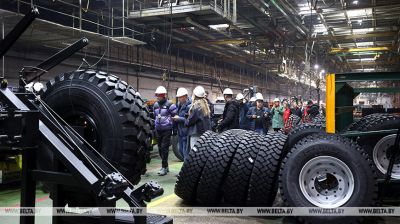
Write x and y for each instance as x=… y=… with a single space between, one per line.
x=379 y=147
x=327 y=171
x=365 y=121
x=188 y=177
x=302 y=131
x=175 y=147
x=107 y=113
x=263 y=184
x=217 y=166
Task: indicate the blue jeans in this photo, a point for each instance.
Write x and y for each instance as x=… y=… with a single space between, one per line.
x=260 y=131
x=183 y=149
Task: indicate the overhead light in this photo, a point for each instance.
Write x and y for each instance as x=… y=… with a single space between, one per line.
x=323 y=71
x=359 y=21
x=316 y=66
x=355 y=2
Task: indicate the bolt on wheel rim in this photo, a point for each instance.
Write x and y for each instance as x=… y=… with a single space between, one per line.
x=381 y=156
x=326 y=182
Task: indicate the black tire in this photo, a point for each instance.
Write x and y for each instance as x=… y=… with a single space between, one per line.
x=175 y=147
x=217 y=167
x=236 y=185
x=319 y=119
x=189 y=176
x=368 y=143
x=121 y=119
x=263 y=183
x=365 y=190
x=364 y=121
x=301 y=131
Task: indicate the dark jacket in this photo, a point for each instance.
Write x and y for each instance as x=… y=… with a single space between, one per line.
x=244 y=122
x=197 y=123
x=183 y=113
x=230 y=117
x=164 y=111
x=253 y=111
x=297 y=111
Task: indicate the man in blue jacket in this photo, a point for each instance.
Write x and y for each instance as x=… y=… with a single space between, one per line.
x=258 y=116
x=179 y=119
x=244 y=122
x=164 y=110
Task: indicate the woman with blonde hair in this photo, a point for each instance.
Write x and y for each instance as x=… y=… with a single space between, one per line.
x=199 y=120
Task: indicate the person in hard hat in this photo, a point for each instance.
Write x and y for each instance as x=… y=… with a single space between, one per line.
x=230 y=116
x=244 y=122
x=164 y=110
x=184 y=104
x=199 y=120
x=277 y=115
x=258 y=116
x=252 y=102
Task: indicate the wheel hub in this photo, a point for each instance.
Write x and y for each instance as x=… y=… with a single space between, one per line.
x=326 y=182
x=382 y=153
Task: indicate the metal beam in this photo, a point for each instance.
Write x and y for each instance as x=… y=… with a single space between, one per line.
x=357 y=49
x=355 y=36
x=368 y=76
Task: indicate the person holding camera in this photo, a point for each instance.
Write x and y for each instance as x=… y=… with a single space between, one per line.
x=258 y=116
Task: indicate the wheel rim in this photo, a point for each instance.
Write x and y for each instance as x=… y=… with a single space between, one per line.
x=85 y=125
x=326 y=182
x=381 y=156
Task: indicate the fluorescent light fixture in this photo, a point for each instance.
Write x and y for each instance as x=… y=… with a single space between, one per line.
x=316 y=66
x=355 y=2
x=219 y=26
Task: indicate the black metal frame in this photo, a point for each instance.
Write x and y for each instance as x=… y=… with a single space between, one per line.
x=25 y=121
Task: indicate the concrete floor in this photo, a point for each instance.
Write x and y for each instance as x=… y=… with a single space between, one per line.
x=11 y=197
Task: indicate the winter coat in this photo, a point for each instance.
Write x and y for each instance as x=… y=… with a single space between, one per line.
x=164 y=111
x=253 y=111
x=230 y=116
x=197 y=123
x=286 y=114
x=277 y=117
x=297 y=111
x=183 y=113
x=244 y=121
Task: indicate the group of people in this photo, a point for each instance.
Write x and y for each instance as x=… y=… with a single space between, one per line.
x=192 y=117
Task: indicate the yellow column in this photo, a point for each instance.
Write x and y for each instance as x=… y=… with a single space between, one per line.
x=330 y=103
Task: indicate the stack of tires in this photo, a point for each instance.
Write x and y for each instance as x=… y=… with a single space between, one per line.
x=237 y=167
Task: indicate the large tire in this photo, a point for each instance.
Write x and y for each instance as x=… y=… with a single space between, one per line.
x=175 y=147
x=117 y=117
x=189 y=176
x=236 y=185
x=301 y=131
x=263 y=183
x=217 y=167
x=377 y=147
x=366 y=120
x=345 y=169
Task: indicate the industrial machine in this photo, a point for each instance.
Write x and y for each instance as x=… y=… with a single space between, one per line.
x=28 y=125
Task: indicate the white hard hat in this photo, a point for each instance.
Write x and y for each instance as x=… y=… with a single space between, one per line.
x=239 y=96
x=228 y=91
x=252 y=99
x=259 y=96
x=161 y=90
x=181 y=92
x=199 y=91
x=276 y=100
